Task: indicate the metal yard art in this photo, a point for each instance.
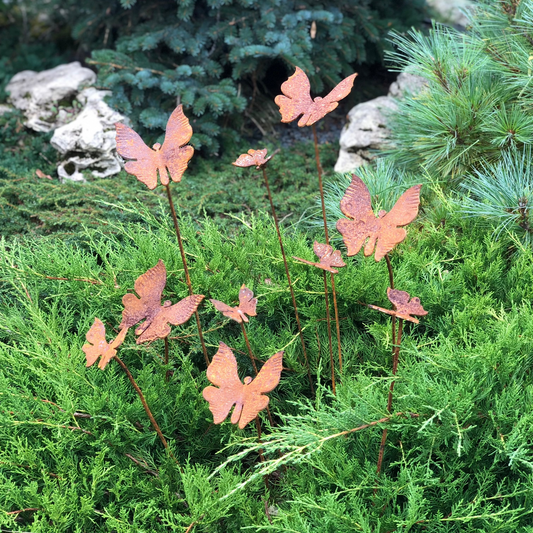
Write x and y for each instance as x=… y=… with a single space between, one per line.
x=170 y=158
x=404 y=306
x=246 y=307
x=328 y=258
x=249 y=398
x=98 y=347
x=296 y=101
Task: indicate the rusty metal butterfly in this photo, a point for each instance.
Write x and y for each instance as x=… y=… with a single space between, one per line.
x=170 y=158
x=385 y=229
x=247 y=305
x=248 y=397
x=253 y=157
x=404 y=307
x=296 y=99
x=328 y=258
x=149 y=286
x=98 y=347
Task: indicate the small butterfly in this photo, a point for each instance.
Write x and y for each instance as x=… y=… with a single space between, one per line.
x=386 y=230
x=249 y=398
x=247 y=305
x=328 y=258
x=173 y=155
x=253 y=157
x=403 y=307
x=297 y=100
x=149 y=286
x=98 y=345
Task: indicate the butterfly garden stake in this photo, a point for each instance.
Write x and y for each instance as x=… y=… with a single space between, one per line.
x=296 y=102
x=327 y=260
x=258 y=159
x=380 y=235
x=169 y=159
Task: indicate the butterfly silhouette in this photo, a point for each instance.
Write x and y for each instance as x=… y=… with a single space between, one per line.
x=403 y=307
x=98 y=345
x=253 y=157
x=297 y=99
x=149 y=286
x=328 y=258
x=247 y=305
x=386 y=230
x=248 y=398
x=173 y=156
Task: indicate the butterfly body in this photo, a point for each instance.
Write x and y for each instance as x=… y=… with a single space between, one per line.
x=170 y=158
x=383 y=232
x=296 y=99
x=98 y=347
x=248 y=397
x=247 y=306
x=253 y=157
x=329 y=258
x=149 y=286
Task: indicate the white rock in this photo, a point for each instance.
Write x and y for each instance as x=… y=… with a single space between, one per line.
x=89 y=140
x=365 y=130
x=406 y=83
x=451 y=11
x=39 y=93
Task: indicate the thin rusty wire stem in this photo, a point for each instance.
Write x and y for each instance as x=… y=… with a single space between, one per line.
x=326 y=234
x=167 y=373
x=186 y=270
x=300 y=332
x=330 y=344
x=260 y=451
x=251 y=354
x=145 y=405
x=395 y=357
x=391 y=282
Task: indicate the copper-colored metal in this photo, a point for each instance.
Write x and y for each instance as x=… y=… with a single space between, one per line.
x=247 y=305
x=186 y=270
x=149 y=286
x=327 y=256
x=404 y=307
x=170 y=158
x=98 y=345
x=253 y=157
x=297 y=99
x=328 y=321
x=249 y=398
x=386 y=229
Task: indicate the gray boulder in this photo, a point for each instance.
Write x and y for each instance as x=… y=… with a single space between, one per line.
x=366 y=129
x=45 y=96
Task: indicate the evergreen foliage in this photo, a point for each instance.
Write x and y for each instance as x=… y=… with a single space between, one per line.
x=75 y=443
x=477 y=104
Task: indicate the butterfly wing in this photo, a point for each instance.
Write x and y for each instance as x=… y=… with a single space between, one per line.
x=222 y=372
x=253 y=157
x=296 y=99
x=175 y=155
x=267 y=380
x=247 y=303
x=98 y=345
x=404 y=307
x=226 y=310
x=322 y=106
x=356 y=204
x=112 y=349
x=404 y=212
x=328 y=257
x=149 y=286
x=175 y=314
x=131 y=146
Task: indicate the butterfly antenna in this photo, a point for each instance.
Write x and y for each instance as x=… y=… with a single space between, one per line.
x=186 y=270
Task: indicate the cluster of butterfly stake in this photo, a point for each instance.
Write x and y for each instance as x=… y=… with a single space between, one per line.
x=378 y=235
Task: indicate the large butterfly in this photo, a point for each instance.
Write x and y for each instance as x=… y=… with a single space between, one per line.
x=247 y=305
x=253 y=157
x=404 y=307
x=248 y=398
x=328 y=258
x=149 y=286
x=99 y=347
x=386 y=230
x=297 y=100
x=173 y=156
